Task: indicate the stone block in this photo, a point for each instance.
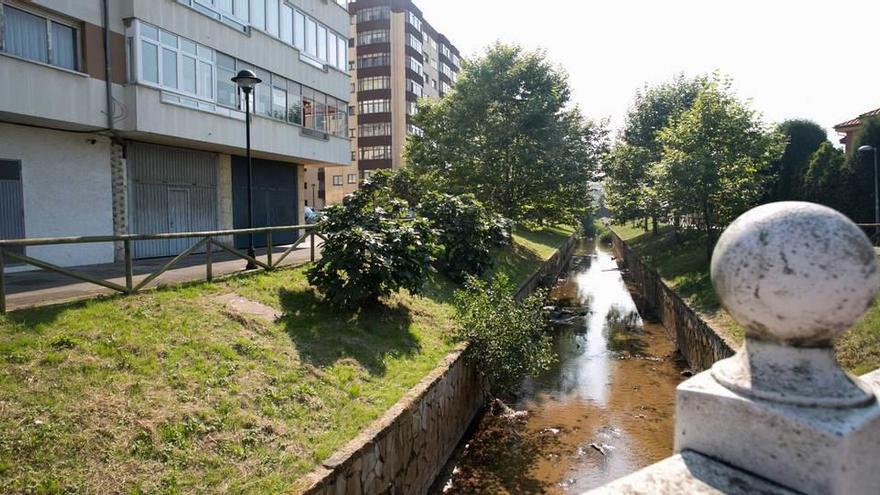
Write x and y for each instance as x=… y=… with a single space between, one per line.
x=810 y=449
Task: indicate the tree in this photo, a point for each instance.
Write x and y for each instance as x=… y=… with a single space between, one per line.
x=803 y=138
x=861 y=187
x=715 y=159
x=508 y=134
x=827 y=178
x=373 y=247
x=628 y=178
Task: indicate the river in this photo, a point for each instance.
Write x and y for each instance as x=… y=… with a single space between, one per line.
x=604 y=410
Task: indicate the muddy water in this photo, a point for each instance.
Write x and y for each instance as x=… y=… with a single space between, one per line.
x=603 y=411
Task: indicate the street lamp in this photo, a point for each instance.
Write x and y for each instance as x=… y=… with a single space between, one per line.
x=247 y=81
x=865 y=149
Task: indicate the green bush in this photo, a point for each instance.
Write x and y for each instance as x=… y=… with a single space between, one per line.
x=374 y=247
x=466 y=232
x=507 y=339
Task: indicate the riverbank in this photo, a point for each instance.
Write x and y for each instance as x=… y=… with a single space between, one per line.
x=171 y=391
x=603 y=410
x=681 y=262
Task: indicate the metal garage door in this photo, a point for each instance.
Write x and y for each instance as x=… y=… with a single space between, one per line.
x=11 y=201
x=274 y=198
x=171 y=190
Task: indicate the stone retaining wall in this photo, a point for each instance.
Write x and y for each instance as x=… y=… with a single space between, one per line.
x=700 y=345
x=404 y=451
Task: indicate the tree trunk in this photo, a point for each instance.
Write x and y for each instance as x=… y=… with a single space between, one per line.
x=654 y=225
x=707 y=222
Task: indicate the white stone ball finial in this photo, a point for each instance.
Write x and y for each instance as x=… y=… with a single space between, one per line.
x=795 y=273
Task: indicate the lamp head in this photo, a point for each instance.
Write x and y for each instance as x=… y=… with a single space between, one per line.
x=866 y=148
x=246 y=80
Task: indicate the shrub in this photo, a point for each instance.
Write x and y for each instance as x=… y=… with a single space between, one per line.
x=374 y=247
x=466 y=230
x=507 y=339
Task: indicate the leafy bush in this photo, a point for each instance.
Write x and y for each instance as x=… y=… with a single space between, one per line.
x=466 y=230
x=374 y=247
x=507 y=339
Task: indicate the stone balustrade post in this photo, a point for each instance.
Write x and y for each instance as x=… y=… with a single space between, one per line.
x=795 y=276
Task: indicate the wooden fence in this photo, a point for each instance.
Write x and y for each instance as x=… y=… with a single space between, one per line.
x=11 y=249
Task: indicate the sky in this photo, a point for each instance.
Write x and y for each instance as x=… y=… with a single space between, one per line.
x=813 y=59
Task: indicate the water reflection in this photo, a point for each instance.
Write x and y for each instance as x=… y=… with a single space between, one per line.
x=604 y=410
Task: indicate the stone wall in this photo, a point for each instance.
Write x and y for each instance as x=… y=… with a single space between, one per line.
x=700 y=345
x=546 y=275
x=404 y=451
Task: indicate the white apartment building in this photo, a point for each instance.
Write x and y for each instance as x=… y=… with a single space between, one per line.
x=149 y=136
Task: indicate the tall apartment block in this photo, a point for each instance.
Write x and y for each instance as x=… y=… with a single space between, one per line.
x=119 y=116
x=396 y=57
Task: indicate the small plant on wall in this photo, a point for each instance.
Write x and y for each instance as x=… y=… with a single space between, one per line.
x=507 y=338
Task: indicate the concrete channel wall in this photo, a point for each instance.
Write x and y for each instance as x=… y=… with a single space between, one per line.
x=699 y=343
x=404 y=450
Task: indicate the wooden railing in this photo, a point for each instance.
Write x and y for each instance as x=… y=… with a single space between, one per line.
x=209 y=240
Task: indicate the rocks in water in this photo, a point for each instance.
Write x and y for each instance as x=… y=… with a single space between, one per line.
x=500 y=409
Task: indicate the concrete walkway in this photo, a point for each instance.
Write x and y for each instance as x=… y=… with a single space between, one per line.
x=27 y=289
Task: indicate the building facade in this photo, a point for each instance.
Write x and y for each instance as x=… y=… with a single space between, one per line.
x=149 y=136
x=849 y=129
x=396 y=57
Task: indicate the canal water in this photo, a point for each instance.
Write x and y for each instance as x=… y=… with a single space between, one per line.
x=603 y=411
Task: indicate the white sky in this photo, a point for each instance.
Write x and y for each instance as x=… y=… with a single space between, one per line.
x=807 y=59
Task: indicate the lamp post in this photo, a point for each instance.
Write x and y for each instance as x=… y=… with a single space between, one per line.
x=247 y=81
x=866 y=149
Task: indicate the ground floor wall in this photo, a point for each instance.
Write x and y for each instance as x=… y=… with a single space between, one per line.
x=66 y=190
x=699 y=343
x=83 y=184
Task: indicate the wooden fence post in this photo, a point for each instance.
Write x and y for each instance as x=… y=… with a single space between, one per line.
x=312 y=243
x=269 y=249
x=209 y=268
x=129 y=275
x=2 y=284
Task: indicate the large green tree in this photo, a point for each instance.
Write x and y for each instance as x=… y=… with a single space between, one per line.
x=715 y=159
x=629 y=182
x=803 y=138
x=508 y=134
x=827 y=178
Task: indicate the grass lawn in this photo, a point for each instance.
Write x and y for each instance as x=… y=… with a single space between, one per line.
x=683 y=265
x=168 y=392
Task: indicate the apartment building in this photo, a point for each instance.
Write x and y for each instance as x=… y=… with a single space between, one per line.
x=149 y=136
x=396 y=57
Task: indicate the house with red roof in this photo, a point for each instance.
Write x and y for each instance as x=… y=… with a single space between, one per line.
x=850 y=128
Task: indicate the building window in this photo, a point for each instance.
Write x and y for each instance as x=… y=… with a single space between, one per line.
x=371 y=37
x=372 y=83
x=352 y=178
x=414 y=87
x=414 y=65
x=414 y=42
x=411 y=108
x=375 y=152
x=38 y=38
x=417 y=131
x=373 y=60
x=337 y=180
x=377 y=129
x=184 y=67
x=414 y=20
x=178 y=63
x=374 y=106
x=374 y=14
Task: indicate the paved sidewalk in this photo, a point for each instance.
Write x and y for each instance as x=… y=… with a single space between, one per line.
x=26 y=289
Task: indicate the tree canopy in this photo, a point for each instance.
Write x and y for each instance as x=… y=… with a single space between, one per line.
x=803 y=138
x=629 y=181
x=508 y=134
x=715 y=158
